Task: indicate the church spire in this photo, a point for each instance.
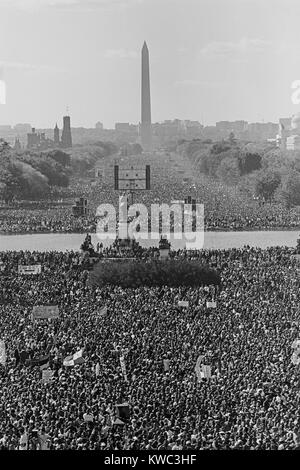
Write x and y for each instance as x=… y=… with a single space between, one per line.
x=56 y=135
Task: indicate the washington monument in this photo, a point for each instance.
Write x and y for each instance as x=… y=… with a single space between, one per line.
x=146 y=131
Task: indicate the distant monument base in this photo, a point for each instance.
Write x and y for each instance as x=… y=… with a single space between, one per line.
x=125 y=244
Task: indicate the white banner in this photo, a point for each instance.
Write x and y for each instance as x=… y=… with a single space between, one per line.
x=47 y=376
x=23 y=443
x=33 y=269
x=296 y=354
x=88 y=418
x=296 y=344
x=183 y=303
x=206 y=371
x=211 y=304
x=45 y=311
x=296 y=358
x=103 y=311
x=123 y=367
x=2 y=353
x=198 y=368
x=74 y=359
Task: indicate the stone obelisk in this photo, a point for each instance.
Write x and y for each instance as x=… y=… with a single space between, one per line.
x=146 y=130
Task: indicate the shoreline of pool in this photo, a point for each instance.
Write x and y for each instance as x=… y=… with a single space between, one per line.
x=211 y=240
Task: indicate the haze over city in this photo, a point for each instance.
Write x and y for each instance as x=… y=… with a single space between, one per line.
x=209 y=60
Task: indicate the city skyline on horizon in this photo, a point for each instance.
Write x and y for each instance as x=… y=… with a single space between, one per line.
x=230 y=67
x=57 y=122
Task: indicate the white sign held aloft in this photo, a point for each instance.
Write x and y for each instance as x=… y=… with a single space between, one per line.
x=183 y=303
x=211 y=304
x=27 y=270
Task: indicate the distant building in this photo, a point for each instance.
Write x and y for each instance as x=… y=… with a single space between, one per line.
x=288 y=137
x=17 y=145
x=39 y=141
x=66 y=136
x=125 y=132
x=99 y=125
x=33 y=139
x=5 y=128
x=56 y=136
x=122 y=127
x=22 y=128
x=258 y=131
x=293 y=140
x=172 y=130
x=286 y=122
x=231 y=126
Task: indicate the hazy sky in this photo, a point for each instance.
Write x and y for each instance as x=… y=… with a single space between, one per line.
x=210 y=60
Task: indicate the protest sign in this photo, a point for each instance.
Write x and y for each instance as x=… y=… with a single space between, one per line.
x=74 y=359
x=198 y=368
x=45 y=311
x=183 y=303
x=103 y=311
x=39 y=361
x=88 y=418
x=47 y=376
x=211 y=304
x=296 y=344
x=296 y=354
x=206 y=371
x=2 y=353
x=123 y=367
x=27 y=270
x=296 y=358
x=23 y=443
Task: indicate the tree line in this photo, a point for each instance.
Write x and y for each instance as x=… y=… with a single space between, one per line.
x=261 y=170
x=30 y=174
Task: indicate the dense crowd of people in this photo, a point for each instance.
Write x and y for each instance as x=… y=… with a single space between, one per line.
x=140 y=349
x=225 y=208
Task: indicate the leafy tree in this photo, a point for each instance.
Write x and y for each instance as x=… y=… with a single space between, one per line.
x=60 y=157
x=220 y=147
x=228 y=170
x=9 y=185
x=266 y=183
x=249 y=162
x=29 y=183
x=53 y=171
x=232 y=139
x=289 y=192
x=4 y=147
